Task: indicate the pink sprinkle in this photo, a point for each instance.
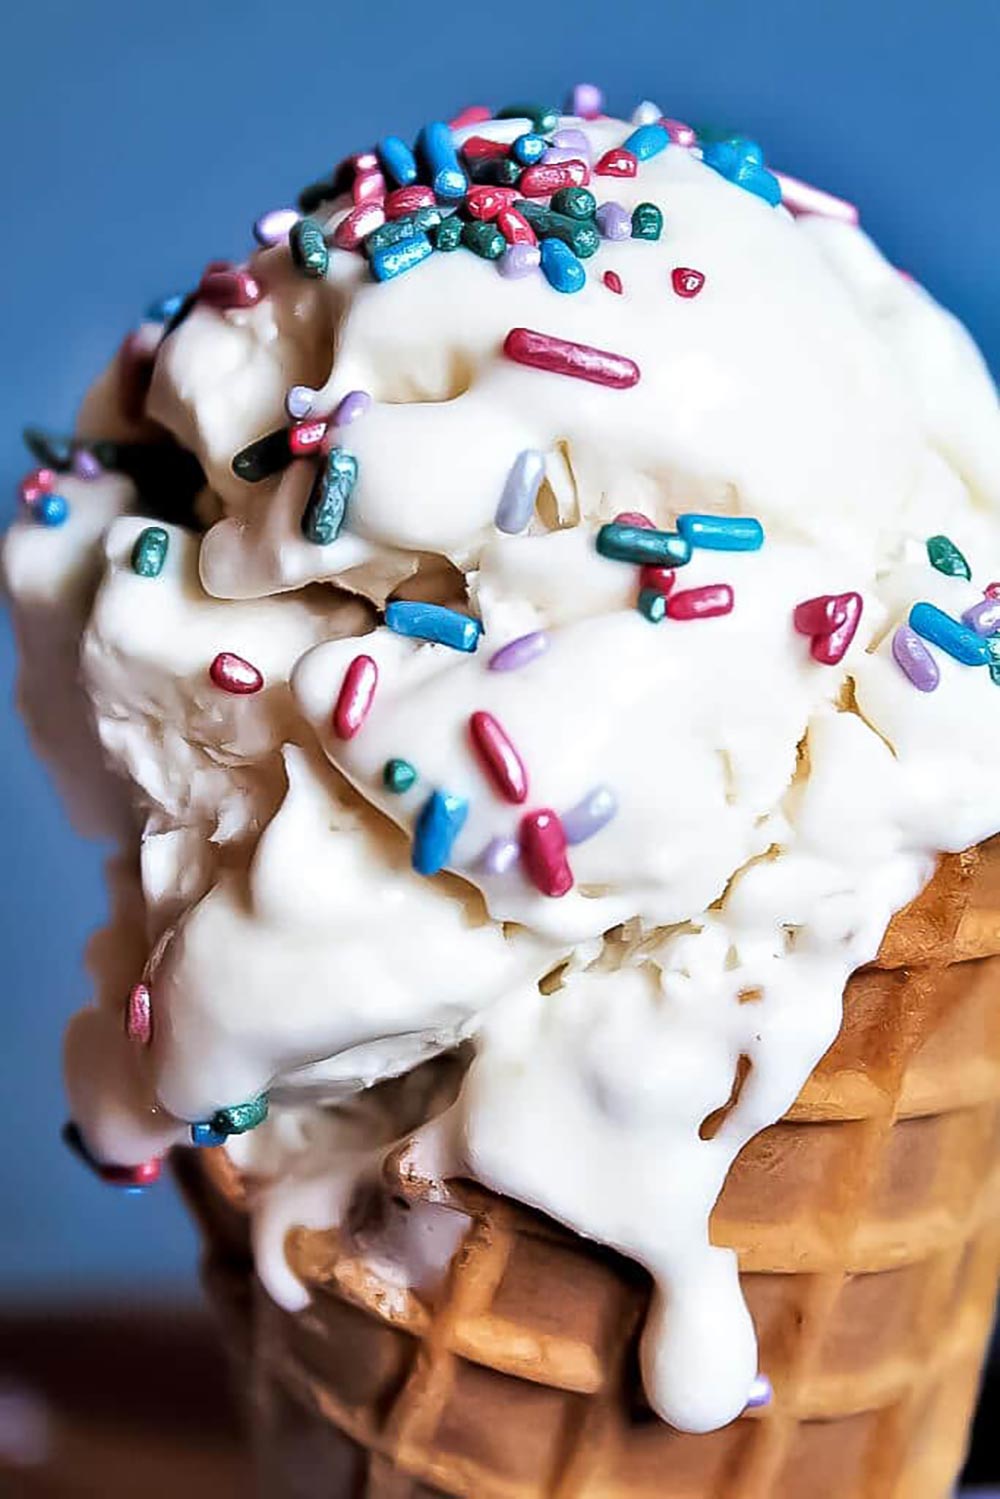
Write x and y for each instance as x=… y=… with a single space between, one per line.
x=634 y=518
x=404 y=200
x=687 y=282
x=560 y=356
x=481 y=148
x=701 y=603
x=232 y=674
x=802 y=198
x=829 y=649
x=543 y=852
x=487 y=202
x=355 y=225
x=660 y=579
x=306 y=437
x=543 y=180
x=499 y=758
x=357 y=693
x=85 y=466
x=820 y=615
x=223 y=289
x=364 y=161
x=139 y=1015
x=40 y=481
x=991 y=591
x=368 y=187
x=515 y=227
x=679 y=133
x=274 y=227
x=613 y=282
x=617 y=163
x=472 y=114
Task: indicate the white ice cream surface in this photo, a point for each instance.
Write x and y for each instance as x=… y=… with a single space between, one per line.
x=772 y=815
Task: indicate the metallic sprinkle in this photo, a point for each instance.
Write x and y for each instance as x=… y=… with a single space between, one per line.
x=481 y=148
x=529 y=149
x=542 y=181
x=483 y=239
x=233 y=674
x=397 y=160
x=398 y=776
x=613 y=282
x=357 y=225
x=149 y=552
x=955 y=639
x=571 y=138
x=560 y=267
x=472 y=114
x=326 y=506
x=802 y=198
x=586 y=101
x=686 y=281
x=433 y=622
x=820 y=615
x=943 y=554
x=517 y=503
x=519 y=260
x=404 y=200
x=614 y=221
x=264 y=457
x=165 y=309
x=206 y=1137
x=85 y=466
x=617 y=163
x=581 y=235
x=299 y=401
x=543 y=852
x=761 y=1393
x=436 y=147
x=659 y=579
x=590 y=815
x=353 y=406
x=395 y=259
x=306 y=437
x=274 y=226
x=357 y=693
x=239 y=1118
x=515 y=227
x=139 y=1015
x=51 y=510
x=722 y=533
x=679 y=133
x=647 y=141
x=499 y=856
x=574 y=202
x=307 y=244
x=499 y=757
x=983 y=617
x=707 y=602
x=131 y=1178
x=829 y=649
x=438 y=825
x=519 y=652
x=225 y=289
x=643 y=545
x=652 y=603
x=485 y=202
x=915 y=660
x=448 y=234
x=544 y=119
x=647 y=221
x=560 y=356
x=40 y=481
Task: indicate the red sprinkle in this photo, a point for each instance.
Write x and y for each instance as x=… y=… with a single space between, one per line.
x=701 y=603
x=515 y=227
x=232 y=287
x=543 y=852
x=143 y=1175
x=686 y=282
x=991 y=591
x=135 y=375
x=562 y=357
x=613 y=282
x=660 y=579
x=31 y=488
x=369 y=187
x=481 y=148
x=306 y=437
x=403 y=200
x=486 y=202
x=543 y=180
x=680 y=134
x=233 y=674
x=617 y=163
x=634 y=518
x=829 y=649
x=357 y=693
x=472 y=114
x=139 y=1015
x=499 y=758
x=821 y=615
x=355 y=225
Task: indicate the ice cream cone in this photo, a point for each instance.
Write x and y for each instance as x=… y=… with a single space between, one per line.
x=867 y=1224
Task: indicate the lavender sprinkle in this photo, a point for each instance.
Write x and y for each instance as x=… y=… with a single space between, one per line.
x=519 y=652
x=590 y=815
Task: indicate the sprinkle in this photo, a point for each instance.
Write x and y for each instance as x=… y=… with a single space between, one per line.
x=542 y=181
x=657 y=579
x=569 y=138
x=50 y=510
x=560 y=356
x=821 y=615
x=354 y=701
x=498 y=757
x=436 y=147
x=499 y=856
x=519 y=652
x=586 y=101
x=679 y=133
x=582 y=237
x=307 y=244
x=85 y=466
x=741 y=161
x=394 y=232
x=647 y=221
x=433 y=622
x=394 y=260
x=131 y=1178
x=529 y=149
x=306 y=437
x=761 y=1393
x=240 y=1117
x=40 y=481
x=992 y=591
x=439 y=823
x=830 y=647
x=398 y=776
x=983 y=617
x=481 y=148
x=326 y=506
x=653 y=604
x=299 y=401
x=515 y=227
x=802 y=198
x=560 y=267
x=370 y=187
x=647 y=141
x=943 y=554
x=205 y=1136
x=165 y=309
x=274 y=226
x=646 y=113
x=502 y=171
x=722 y=533
x=519 y=260
x=543 y=117
x=262 y=458
x=543 y=851
x=641 y=545
x=617 y=163
x=407 y=200
x=483 y=239
x=357 y=225
x=353 y=406
x=517 y=502
x=614 y=221
x=557 y=156
x=634 y=518
x=150 y=552
x=233 y=674
x=955 y=639
x=139 y=1015
x=397 y=160
x=590 y=815
x=687 y=282
x=448 y=234
x=229 y=288
x=707 y=602
x=915 y=660
x=48 y=449
x=485 y=202
x=613 y=282
x=472 y=114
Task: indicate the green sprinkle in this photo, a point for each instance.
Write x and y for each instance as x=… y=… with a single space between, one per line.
x=582 y=238
x=653 y=604
x=448 y=234
x=544 y=119
x=150 y=552
x=944 y=555
x=307 y=243
x=396 y=231
x=574 y=202
x=484 y=239
x=327 y=502
x=637 y=544
x=398 y=776
x=318 y=192
x=240 y=1117
x=647 y=221
x=496 y=171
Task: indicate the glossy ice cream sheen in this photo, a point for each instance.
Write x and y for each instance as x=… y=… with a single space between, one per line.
x=772 y=813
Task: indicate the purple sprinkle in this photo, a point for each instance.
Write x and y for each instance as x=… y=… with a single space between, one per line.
x=519 y=260
x=983 y=617
x=556 y=155
x=915 y=660
x=586 y=101
x=761 y=1393
x=299 y=401
x=519 y=652
x=354 y=404
x=85 y=465
x=273 y=227
x=499 y=855
x=517 y=503
x=590 y=815
x=572 y=139
x=614 y=221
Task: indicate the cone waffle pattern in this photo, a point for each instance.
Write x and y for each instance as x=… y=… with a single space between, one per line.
x=867 y=1223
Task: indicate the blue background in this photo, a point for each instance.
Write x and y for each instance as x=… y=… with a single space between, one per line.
x=141 y=140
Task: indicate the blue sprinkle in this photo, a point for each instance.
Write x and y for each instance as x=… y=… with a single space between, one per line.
x=647 y=141
x=722 y=533
x=439 y=823
x=433 y=622
x=166 y=308
x=517 y=503
x=528 y=149
x=437 y=147
x=204 y=1134
x=393 y=260
x=955 y=639
x=50 y=510
x=742 y=161
x=398 y=161
x=560 y=267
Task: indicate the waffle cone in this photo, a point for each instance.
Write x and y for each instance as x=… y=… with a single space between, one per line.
x=867 y=1224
